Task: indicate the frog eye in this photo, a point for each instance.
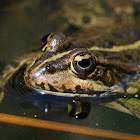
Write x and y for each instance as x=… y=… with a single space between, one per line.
x=83 y=64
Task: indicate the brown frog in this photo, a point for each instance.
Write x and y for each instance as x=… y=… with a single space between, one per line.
x=90 y=65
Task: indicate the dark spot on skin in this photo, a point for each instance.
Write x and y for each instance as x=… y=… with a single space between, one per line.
x=108 y=78
x=52 y=88
x=41 y=85
x=78 y=88
x=67 y=90
x=98 y=73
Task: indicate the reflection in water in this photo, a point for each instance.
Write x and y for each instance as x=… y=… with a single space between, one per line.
x=79 y=109
x=20 y=10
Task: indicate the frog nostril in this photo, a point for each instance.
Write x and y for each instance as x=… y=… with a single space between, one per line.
x=50 y=69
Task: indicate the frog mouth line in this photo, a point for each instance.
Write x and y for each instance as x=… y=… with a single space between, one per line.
x=95 y=94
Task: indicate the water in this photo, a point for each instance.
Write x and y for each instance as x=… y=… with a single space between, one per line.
x=21 y=28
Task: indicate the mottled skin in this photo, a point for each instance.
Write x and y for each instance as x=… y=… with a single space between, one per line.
x=60 y=69
x=97 y=66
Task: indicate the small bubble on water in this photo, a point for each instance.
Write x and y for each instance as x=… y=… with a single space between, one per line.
x=46 y=110
x=97 y=124
x=76 y=117
x=73 y=101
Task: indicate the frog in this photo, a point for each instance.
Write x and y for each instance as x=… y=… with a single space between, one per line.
x=99 y=65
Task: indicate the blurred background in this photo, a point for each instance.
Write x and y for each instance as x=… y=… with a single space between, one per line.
x=24 y=22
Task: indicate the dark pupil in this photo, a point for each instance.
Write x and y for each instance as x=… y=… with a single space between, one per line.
x=44 y=39
x=84 y=63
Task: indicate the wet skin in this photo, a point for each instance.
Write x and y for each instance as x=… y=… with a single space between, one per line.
x=90 y=66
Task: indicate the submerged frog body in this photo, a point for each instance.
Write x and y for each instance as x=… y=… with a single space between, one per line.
x=93 y=66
